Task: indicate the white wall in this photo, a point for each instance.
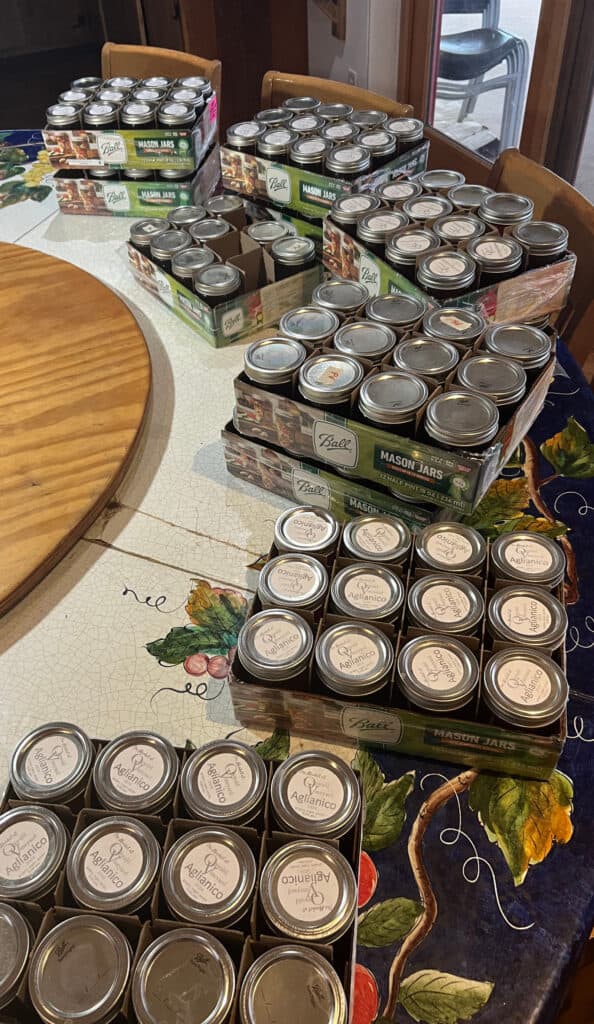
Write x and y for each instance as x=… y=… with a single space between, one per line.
x=370 y=49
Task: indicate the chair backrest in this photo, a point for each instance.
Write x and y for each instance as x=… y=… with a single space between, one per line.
x=279 y=85
x=555 y=200
x=144 y=61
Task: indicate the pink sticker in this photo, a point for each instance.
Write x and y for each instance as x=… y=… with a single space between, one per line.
x=212 y=106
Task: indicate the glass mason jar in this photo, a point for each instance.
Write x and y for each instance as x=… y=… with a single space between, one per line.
x=427 y=357
x=315 y=793
x=395 y=193
x=307 y=123
x=446 y=275
x=458 y=228
x=334 y=111
x=437 y=674
x=497 y=258
x=113 y=866
x=293 y=580
x=299 y=104
x=524 y=688
x=105 y=174
x=339 y=132
x=368 y=119
x=292 y=255
x=243 y=136
x=468 y=198
x=347 y=210
x=501 y=379
x=405 y=245
x=271 y=362
x=526 y=345
x=221 y=206
x=424 y=209
x=220 y=282
x=365 y=339
x=224 y=781
x=33 y=844
x=100 y=115
x=64 y=115
x=445 y=604
x=185 y=216
x=209 y=876
x=52 y=764
x=440 y=181
x=354 y=659
x=542 y=241
x=299 y=970
x=196 y=82
x=265 y=232
x=274 y=116
x=345 y=298
x=309 y=152
x=377 y=538
x=185 y=264
x=137 y=113
x=144 y=232
x=175 y=115
x=368 y=591
x=81 y=96
x=137 y=174
x=525 y=557
x=16 y=940
x=505 y=208
x=191 y=96
x=527 y=616
x=454 y=323
x=391 y=399
x=328 y=381
x=136 y=773
x=90 y=82
x=399 y=311
x=380 y=143
x=209 y=229
x=461 y=419
x=408 y=131
x=144 y=93
x=274 y=646
x=310 y=324
x=305 y=528
x=374 y=229
x=348 y=161
x=175 y=174
x=450 y=548
x=275 y=143
x=166 y=244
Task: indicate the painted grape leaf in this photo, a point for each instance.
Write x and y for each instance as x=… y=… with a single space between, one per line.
x=258 y=563
x=189 y=746
x=523 y=817
x=386 y=813
x=221 y=609
x=570 y=452
x=534 y=524
x=181 y=641
x=387 y=922
x=436 y=998
x=372 y=777
x=504 y=501
x=275 y=747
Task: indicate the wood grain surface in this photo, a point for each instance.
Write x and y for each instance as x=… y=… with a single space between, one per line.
x=74 y=386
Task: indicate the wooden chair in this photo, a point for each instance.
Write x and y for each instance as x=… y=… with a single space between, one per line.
x=144 y=61
x=278 y=85
x=555 y=200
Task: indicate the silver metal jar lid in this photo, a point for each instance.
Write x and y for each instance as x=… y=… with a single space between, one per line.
x=298 y=103
x=276 y=141
x=167 y=243
x=451 y=548
x=308 y=149
x=15 y=943
x=397 y=310
x=398 y=191
x=113 y=865
x=143 y=93
x=334 y=111
x=461 y=419
x=183 y=975
x=187 y=262
x=292 y=581
x=438 y=180
x=100 y=113
x=469 y=197
x=454 y=323
x=392 y=397
x=219 y=279
x=429 y=357
x=445 y=603
x=378 y=141
x=527 y=345
x=458 y=227
x=524 y=687
x=342 y=296
x=173 y=114
x=91 y=82
x=408 y=129
x=501 y=254
x=305 y=528
x=348 y=209
x=174 y=174
x=287 y=976
x=501 y=379
x=266 y=231
x=136 y=772
x=407 y=243
x=427 y=207
x=133 y=173
x=137 y=112
x=244 y=133
x=527 y=615
x=209 y=228
x=506 y=208
x=315 y=793
x=308 y=891
x=377 y=538
x=354 y=658
x=79 y=971
x=157 y=82
x=349 y=158
x=339 y=131
x=437 y=673
x=192 y=96
x=273 y=360
x=306 y=122
x=528 y=558
x=225 y=780
x=377 y=226
x=51 y=764
x=309 y=323
x=366 y=590
x=274 y=116
x=293 y=251
x=368 y=118
x=365 y=339
x=329 y=379
x=195 y=82
x=218 y=206
x=184 y=215
x=275 y=644
x=446 y=271
x=78 y=96
x=121 y=82
x=209 y=876
x=542 y=237
x=33 y=844
x=144 y=231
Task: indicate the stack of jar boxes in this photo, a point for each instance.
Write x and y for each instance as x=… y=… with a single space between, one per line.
x=135 y=876
x=440 y=647
x=124 y=146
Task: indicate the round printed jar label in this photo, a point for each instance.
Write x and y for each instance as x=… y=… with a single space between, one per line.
x=437 y=668
x=447 y=266
x=308 y=889
x=225 y=779
x=113 y=863
x=354 y=654
x=209 y=873
x=523 y=682
x=493 y=250
x=277 y=640
x=313 y=146
x=307 y=528
x=445 y=603
x=426 y=208
x=248 y=129
x=137 y=770
x=51 y=760
x=412 y=243
x=376 y=138
x=398 y=190
x=352 y=204
x=24 y=848
x=367 y=592
x=339 y=131
x=315 y=793
x=402 y=124
x=177 y=109
x=457 y=228
x=528 y=556
x=526 y=615
x=292 y=580
x=304 y=124
x=377 y=538
x=384 y=222
x=281 y=138
x=349 y=156
x=449 y=548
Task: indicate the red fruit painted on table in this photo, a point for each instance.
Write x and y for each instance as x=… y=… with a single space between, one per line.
x=366 y=997
x=196 y=664
x=218 y=667
x=367 y=879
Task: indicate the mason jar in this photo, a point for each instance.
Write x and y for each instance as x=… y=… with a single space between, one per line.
x=334 y=111
x=300 y=104
x=147 y=95
x=136 y=114
x=209 y=229
x=454 y=323
x=365 y=339
x=310 y=324
x=440 y=180
x=274 y=116
x=90 y=82
x=397 y=192
x=437 y=674
x=339 y=132
x=374 y=229
x=307 y=123
x=348 y=161
x=175 y=174
x=315 y=793
x=458 y=228
x=191 y=96
x=446 y=275
x=505 y=208
x=166 y=244
x=424 y=209
x=208 y=877
x=354 y=659
x=105 y=174
x=368 y=119
x=136 y=773
x=185 y=216
x=525 y=557
x=52 y=764
x=377 y=538
x=185 y=264
x=305 y=528
x=369 y=591
x=175 y=115
x=380 y=143
x=77 y=96
x=528 y=346
x=328 y=381
x=309 y=153
x=65 y=114
x=113 y=866
x=445 y=604
x=79 y=971
x=299 y=970
x=405 y=245
x=33 y=844
x=469 y=197
x=225 y=781
x=292 y=255
x=399 y=311
x=497 y=258
x=501 y=379
x=220 y=282
x=524 y=688
x=391 y=399
x=450 y=548
x=137 y=174
x=542 y=241
x=220 y=206
x=427 y=357
x=196 y=82
x=527 y=616
x=102 y=115
x=461 y=419
x=293 y=581
x=144 y=232
x=345 y=298
x=275 y=143
x=243 y=136
x=274 y=646
x=408 y=131
x=308 y=892
x=347 y=210
x=271 y=362
x=265 y=232
x=16 y=940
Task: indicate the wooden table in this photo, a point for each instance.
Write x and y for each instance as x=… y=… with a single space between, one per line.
x=74 y=386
